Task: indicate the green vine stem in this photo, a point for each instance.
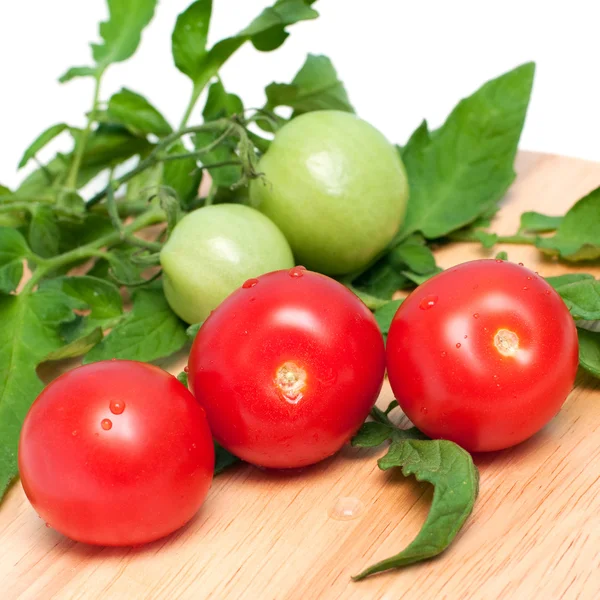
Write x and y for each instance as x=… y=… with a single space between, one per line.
x=501 y=239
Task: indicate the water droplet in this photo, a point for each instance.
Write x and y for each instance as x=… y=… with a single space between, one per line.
x=428 y=302
x=346 y=508
x=521 y=264
x=47 y=524
x=497 y=385
x=485 y=329
x=536 y=272
x=466 y=336
x=443 y=353
x=116 y=407
x=297 y=271
x=250 y=283
x=424 y=410
x=529 y=277
x=547 y=292
x=106 y=424
x=525 y=288
x=74 y=433
x=193 y=445
x=96 y=434
x=499 y=260
x=113 y=359
x=476 y=315
x=495 y=376
x=458 y=345
x=252 y=299
x=186 y=369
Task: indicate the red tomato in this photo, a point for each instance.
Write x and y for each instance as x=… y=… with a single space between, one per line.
x=116 y=453
x=483 y=354
x=287 y=368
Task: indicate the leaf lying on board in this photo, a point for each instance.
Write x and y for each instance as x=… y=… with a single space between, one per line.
x=589 y=351
x=444 y=464
x=578 y=234
x=385 y=314
x=535 y=222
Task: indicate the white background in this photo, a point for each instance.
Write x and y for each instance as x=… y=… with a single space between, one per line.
x=401 y=61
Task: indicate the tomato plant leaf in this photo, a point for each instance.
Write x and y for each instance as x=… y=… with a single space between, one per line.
x=578 y=234
x=133 y=111
x=536 y=222
x=560 y=280
x=462 y=169
x=150 y=331
x=385 y=314
x=223 y=459
x=381 y=280
x=13 y=249
x=183 y=175
x=315 y=87
x=75 y=72
x=29 y=333
x=589 y=351
x=372 y=434
x=417 y=257
x=190 y=37
x=582 y=298
x=42 y=140
x=77 y=347
x=455 y=478
x=192 y=330
x=44 y=232
x=419 y=279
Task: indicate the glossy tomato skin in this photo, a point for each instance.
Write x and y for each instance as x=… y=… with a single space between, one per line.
x=116 y=453
x=483 y=354
x=287 y=368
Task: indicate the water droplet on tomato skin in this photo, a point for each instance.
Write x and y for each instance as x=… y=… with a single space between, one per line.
x=113 y=360
x=525 y=288
x=297 y=271
x=74 y=433
x=547 y=292
x=443 y=353
x=521 y=264
x=106 y=424
x=186 y=369
x=47 y=525
x=428 y=302
x=116 y=407
x=250 y=283
x=466 y=336
x=529 y=278
x=495 y=376
x=424 y=410
x=476 y=315
x=346 y=508
x=499 y=260
x=458 y=345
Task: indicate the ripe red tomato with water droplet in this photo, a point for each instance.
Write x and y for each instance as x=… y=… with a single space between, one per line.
x=492 y=360
x=116 y=453
x=287 y=370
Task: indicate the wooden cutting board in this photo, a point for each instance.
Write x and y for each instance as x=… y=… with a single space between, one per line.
x=534 y=533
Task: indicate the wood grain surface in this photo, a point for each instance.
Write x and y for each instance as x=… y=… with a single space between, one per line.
x=534 y=533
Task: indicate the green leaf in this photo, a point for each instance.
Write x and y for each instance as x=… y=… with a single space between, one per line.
x=74 y=72
x=451 y=471
x=582 y=298
x=220 y=104
x=41 y=141
x=536 y=222
x=578 y=235
x=417 y=257
x=13 y=249
x=183 y=175
x=150 y=331
x=461 y=170
x=315 y=87
x=192 y=330
x=372 y=434
x=385 y=314
x=267 y=32
x=44 y=232
x=78 y=347
x=381 y=280
x=589 y=351
x=109 y=146
x=122 y=32
x=29 y=333
x=419 y=279
x=190 y=37
x=561 y=280
x=134 y=112
x=223 y=459
x=488 y=240
x=502 y=256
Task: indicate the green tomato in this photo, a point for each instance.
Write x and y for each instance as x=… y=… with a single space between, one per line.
x=336 y=188
x=212 y=251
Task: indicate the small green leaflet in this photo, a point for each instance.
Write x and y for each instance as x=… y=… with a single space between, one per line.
x=535 y=222
x=29 y=333
x=150 y=331
x=561 y=280
x=417 y=257
x=589 y=351
x=183 y=175
x=582 y=298
x=190 y=37
x=578 y=234
x=455 y=478
x=266 y=32
x=44 y=232
x=419 y=279
x=42 y=140
x=121 y=35
x=13 y=248
x=461 y=170
x=134 y=112
x=385 y=314
x=110 y=145
x=315 y=87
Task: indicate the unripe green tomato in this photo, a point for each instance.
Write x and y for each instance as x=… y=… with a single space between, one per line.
x=336 y=188
x=212 y=251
